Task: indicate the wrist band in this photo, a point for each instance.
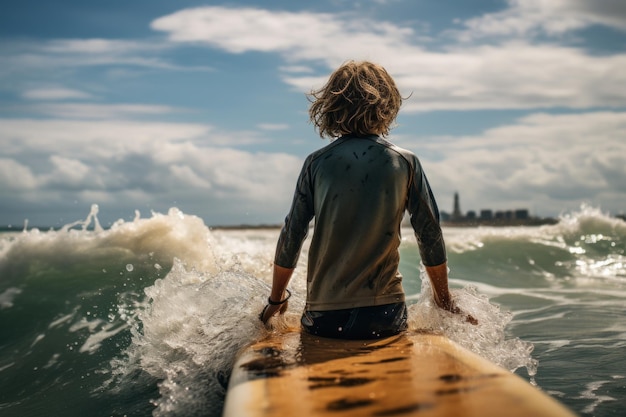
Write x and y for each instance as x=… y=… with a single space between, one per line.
x=277 y=303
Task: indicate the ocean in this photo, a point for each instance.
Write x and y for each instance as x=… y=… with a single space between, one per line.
x=145 y=317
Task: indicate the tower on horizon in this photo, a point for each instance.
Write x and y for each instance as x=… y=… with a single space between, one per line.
x=456 y=213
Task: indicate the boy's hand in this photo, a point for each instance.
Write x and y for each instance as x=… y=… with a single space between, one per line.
x=270 y=310
x=455 y=310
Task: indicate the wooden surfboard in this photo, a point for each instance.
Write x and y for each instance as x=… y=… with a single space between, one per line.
x=418 y=374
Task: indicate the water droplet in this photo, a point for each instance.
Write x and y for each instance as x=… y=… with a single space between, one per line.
x=129 y=267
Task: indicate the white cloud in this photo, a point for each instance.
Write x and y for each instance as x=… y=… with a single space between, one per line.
x=273 y=126
x=94 y=46
x=100 y=138
x=16 y=176
x=554 y=17
x=296 y=69
x=298 y=36
x=54 y=93
x=255 y=29
x=509 y=75
x=547 y=161
x=188 y=176
x=542 y=162
x=67 y=172
x=40 y=58
x=23 y=56
x=99 y=111
x=135 y=164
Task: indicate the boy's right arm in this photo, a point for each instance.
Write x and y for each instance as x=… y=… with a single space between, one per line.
x=438 y=276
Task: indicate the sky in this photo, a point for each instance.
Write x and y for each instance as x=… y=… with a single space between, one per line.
x=145 y=105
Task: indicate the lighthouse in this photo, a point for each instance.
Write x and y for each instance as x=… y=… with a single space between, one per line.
x=456 y=213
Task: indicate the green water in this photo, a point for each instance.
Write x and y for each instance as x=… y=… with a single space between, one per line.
x=141 y=319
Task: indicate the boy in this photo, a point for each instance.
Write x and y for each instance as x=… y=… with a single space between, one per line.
x=357 y=188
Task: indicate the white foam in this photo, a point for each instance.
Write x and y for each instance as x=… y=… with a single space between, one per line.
x=168 y=235
x=7 y=297
x=193 y=327
x=7 y=366
x=590 y=393
x=196 y=318
x=554 y=345
x=61 y=320
x=487 y=339
x=94 y=341
x=38 y=339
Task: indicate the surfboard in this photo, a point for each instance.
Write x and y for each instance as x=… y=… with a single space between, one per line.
x=417 y=374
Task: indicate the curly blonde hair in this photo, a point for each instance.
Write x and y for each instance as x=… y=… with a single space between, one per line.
x=360 y=98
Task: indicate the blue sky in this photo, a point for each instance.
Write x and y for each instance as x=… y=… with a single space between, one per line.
x=147 y=105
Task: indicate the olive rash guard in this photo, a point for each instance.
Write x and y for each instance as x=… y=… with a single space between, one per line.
x=358 y=189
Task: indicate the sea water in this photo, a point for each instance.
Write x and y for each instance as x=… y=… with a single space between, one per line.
x=145 y=317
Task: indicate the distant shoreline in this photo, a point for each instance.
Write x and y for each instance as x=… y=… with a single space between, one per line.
x=446 y=223
x=499 y=222
x=246 y=227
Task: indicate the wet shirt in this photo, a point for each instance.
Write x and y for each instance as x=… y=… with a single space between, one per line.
x=358 y=189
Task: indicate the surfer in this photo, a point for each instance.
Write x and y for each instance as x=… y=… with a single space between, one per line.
x=358 y=188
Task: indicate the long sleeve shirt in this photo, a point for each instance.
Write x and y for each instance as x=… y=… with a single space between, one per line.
x=358 y=189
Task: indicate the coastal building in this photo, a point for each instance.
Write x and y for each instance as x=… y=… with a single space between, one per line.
x=487 y=217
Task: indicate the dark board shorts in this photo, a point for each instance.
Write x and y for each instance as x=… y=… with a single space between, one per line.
x=373 y=322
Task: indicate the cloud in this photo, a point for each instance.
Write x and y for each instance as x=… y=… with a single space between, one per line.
x=136 y=164
x=54 y=93
x=99 y=138
x=255 y=29
x=20 y=56
x=542 y=162
x=549 y=161
x=515 y=74
x=532 y=17
x=38 y=58
x=273 y=126
x=16 y=176
x=188 y=176
x=299 y=36
x=296 y=69
x=510 y=73
x=99 y=111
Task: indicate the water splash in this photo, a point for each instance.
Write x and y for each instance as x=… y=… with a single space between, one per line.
x=92 y=217
x=193 y=325
x=487 y=339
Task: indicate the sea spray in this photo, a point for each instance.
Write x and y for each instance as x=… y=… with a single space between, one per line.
x=487 y=338
x=195 y=321
x=191 y=330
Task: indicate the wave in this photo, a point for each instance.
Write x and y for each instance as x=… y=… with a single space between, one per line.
x=146 y=316
x=587 y=244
